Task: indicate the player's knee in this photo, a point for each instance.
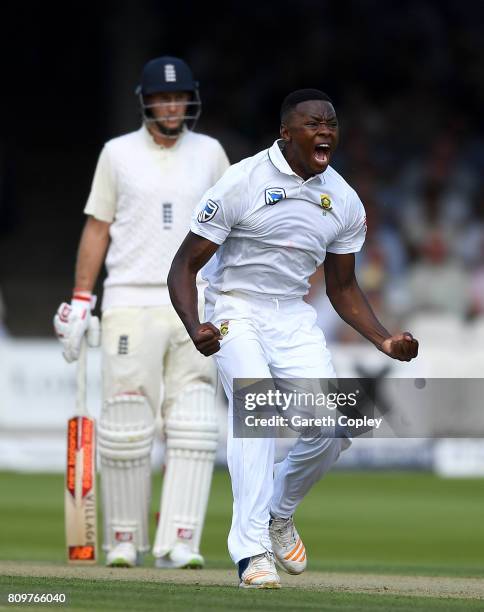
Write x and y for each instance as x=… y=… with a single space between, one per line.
x=203 y=372
x=345 y=443
x=191 y=422
x=126 y=427
x=319 y=445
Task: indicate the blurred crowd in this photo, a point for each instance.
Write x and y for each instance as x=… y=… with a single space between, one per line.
x=424 y=251
x=408 y=88
x=412 y=145
x=406 y=80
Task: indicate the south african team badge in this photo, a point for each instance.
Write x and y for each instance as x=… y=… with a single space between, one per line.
x=326 y=203
x=224 y=328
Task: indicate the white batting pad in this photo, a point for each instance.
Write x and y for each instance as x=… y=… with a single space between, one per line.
x=125 y=437
x=191 y=443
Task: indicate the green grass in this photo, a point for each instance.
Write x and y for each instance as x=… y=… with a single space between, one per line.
x=384 y=522
x=377 y=522
x=401 y=522
x=92 y=595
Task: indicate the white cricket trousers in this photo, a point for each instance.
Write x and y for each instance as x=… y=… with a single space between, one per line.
x=265 y=338
x=147 y=350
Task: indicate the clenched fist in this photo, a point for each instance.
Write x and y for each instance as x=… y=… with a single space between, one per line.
x=206 y=338
x=403 y=347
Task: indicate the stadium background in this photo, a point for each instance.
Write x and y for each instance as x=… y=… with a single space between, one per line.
x=407 y=84
x=406 y=81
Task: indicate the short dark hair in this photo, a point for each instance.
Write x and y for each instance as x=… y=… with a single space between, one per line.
x=301 y=95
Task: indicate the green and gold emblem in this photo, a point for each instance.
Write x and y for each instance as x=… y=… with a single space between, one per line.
x=224 y=328
x=326 y=201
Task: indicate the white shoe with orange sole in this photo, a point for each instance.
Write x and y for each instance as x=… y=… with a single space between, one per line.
x=288 y=547
x=259 y=572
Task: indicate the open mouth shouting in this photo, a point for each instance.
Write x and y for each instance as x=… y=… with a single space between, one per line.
x=322 y=154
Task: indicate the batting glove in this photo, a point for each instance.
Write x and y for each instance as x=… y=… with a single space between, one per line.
x=72 y=321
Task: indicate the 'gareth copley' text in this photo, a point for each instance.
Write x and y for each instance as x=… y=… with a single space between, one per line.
x=298 y=421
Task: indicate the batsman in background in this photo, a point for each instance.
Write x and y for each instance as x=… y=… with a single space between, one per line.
x=145 y=188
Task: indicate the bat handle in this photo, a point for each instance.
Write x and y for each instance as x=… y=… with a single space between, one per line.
x=81 y=378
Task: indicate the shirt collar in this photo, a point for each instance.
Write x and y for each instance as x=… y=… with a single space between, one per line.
x=280 y=162
x=278 y=159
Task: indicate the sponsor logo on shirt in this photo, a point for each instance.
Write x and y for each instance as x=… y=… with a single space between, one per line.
x=326 y=202
x=123 y=345
x=274 y=194
x=167 y=215
x=208 y=212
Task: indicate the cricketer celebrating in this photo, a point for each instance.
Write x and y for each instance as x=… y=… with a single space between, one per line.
x=145 y=188
x=268 y=223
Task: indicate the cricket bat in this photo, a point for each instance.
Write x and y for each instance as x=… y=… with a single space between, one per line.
x=80 y=486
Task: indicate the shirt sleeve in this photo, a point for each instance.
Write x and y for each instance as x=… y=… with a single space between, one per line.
x=221 y=207
x=352 y=236
x=101 y=203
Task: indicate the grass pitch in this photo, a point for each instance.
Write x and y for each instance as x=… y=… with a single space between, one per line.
x=130 y=595
x=353 y=524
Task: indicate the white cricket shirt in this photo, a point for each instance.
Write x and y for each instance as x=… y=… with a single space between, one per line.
x=148 y=193
x=274 y=228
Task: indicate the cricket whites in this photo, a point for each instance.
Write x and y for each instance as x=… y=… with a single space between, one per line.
x=80 y=489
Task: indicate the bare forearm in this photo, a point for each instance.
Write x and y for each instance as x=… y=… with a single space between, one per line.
x=92 y=251
x=182 y=286
x=353 y=307
x=193 y=254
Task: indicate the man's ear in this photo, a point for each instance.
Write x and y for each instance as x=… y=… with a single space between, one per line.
x=284 y=131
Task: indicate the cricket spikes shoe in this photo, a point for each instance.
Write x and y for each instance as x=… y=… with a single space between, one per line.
x=288 y=547
x=122 y=555
x=259 y=572
x=180 y=557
